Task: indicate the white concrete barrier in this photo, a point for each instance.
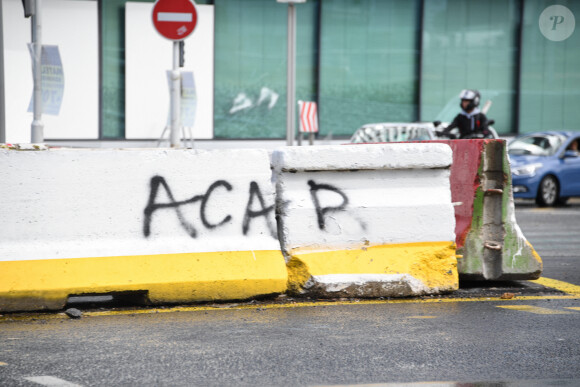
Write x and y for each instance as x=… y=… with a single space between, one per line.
x=179 y=225
x=367 y=220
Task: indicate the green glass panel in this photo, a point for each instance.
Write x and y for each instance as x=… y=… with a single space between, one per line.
x=369 y=58
x=112 y=68
x=550 y=77
x=307 y=50
x=470 y=45
x=250 y=66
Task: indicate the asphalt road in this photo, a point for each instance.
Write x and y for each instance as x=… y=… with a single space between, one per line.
x=470 y=336
x=555 y=234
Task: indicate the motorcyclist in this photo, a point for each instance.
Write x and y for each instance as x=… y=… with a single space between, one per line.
x=471 y=121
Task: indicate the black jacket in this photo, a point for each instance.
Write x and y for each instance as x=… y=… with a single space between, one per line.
x=469 y=124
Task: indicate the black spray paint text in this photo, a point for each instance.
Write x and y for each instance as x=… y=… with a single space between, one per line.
x=250 y=213
x=256 y=206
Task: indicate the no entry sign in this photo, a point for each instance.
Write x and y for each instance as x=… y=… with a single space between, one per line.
x=174 y=19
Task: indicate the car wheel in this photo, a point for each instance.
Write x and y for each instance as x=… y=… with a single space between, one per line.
x=547 y=192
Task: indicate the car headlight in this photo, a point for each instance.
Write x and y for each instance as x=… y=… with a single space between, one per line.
x=526 y=170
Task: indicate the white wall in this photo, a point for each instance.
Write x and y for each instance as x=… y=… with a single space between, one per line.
x=73 y=27
x=149 y=56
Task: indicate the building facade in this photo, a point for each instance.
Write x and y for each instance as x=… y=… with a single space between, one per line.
x=363 y=61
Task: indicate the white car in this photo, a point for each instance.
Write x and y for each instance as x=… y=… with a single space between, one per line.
x=394 y=132
x=404 y=131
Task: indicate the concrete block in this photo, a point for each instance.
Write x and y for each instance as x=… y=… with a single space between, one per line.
x=366 y=220
x=491 y=243
x=180 y=225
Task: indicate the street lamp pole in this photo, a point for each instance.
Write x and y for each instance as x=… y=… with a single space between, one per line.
x=37 y=127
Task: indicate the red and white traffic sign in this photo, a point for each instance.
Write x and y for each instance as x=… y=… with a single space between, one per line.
x=308 y=117
x=174 y=19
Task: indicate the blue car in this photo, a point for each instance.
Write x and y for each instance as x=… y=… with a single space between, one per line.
x=546 y=167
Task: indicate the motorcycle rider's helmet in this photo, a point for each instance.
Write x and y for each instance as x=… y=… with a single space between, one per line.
x=472 y=96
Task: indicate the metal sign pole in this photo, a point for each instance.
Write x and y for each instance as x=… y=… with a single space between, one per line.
x=175 y=20
x=175 y=133
x=37 y=127
x=291 y=81
x=291 y=78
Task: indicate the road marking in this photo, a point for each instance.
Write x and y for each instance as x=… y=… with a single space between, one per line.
x=422 y=316
x=573 y=308
x=558 y=285
x=51 y=381
x=533 y=309
x=3 y=364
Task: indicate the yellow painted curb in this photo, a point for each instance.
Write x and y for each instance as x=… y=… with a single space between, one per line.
x=166 y=278
x=433 y=264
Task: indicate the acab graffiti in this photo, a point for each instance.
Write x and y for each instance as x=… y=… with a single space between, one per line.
x=256 y=206
x=255 y=199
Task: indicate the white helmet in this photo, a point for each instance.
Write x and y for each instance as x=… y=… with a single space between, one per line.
x=471 y=95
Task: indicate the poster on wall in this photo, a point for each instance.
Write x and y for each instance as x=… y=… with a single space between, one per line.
x=52 y=79
x=188 y=100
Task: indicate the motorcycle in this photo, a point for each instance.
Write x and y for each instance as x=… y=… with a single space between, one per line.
x=454 y=134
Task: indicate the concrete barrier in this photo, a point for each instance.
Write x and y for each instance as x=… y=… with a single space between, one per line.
x=487 y=235
x=173 y=225
x=367 y=220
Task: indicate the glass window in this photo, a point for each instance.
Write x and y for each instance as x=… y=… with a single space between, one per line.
x=368 y=64
x=112 y=13
x=250 y=66
x=470 y=45
x=536 y=145
x=550 y=77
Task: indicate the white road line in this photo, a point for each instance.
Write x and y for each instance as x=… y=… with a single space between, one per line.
x=533 y=309
x=51 y=381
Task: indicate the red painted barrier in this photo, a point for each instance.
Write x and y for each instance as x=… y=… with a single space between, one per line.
x=486 y=233
x=464 y=182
